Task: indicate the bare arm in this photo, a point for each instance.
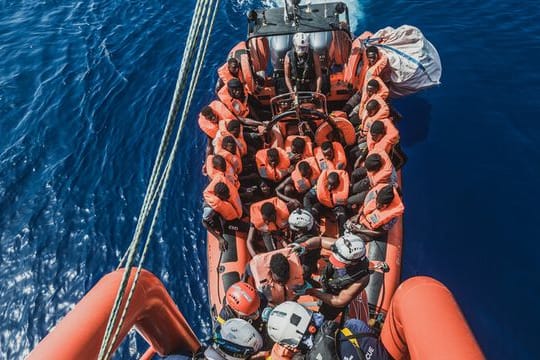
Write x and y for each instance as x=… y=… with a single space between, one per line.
x=344 y=297
x=318 y=242
x=318 y=73
x=287 y=68
x=250 y=241
x=281 y=187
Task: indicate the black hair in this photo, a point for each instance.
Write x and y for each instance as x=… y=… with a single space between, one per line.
x=377 y=128
x=373 y=105
x=218 y=162
x=234 y=83
x=326 y=145
x=207 y=111
x=229 y=140
x=273 y=153
x=268 y=210
x=373 y=83
x=333 y=177
x=233 y=124
x=386 y=195
x=279 y=266
x=372 y=50
x=299 y=143
x=233 y=60
x=373 y=162
x=221 y=189
x=303 y=167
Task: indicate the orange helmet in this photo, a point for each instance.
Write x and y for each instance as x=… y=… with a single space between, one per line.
x=243 y=299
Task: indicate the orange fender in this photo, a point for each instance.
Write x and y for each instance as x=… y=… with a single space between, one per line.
x=152 y=311
x=425 y=322
x=346 y=128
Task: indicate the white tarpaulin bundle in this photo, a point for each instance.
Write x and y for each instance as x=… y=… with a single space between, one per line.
x=414 y=61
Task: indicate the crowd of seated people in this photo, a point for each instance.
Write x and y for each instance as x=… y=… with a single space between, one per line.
x=280 y=192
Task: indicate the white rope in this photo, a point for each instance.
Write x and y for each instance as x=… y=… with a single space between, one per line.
x=154 y=184
x=162 y=185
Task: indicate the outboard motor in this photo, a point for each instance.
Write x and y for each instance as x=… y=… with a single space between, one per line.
x=279 y=45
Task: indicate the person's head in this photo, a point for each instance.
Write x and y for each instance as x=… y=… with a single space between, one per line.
x=377 y=130
x=222 y=191
x=219 y=163
x=333 y=181
x=235 y=339
x=298 y=145
x=229 y=144
x=209 y=114
x=273 y=157
x=372 y=87
x=289 y=190
x=244 y=300
x=301 y=43
x=385 y=196
x=372 y=54
x=348 y=249
x=301 y=220
x=327 y=150
x=372 y=107
x=236 y=90
x=234 y=127
x=373 y=162
x=266 y=190
x=234 y=66
x=304 y=169
x=279 y=268
x=268 y=212
x=289 y=323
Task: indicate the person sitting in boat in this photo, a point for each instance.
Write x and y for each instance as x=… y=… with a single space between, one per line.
x=236 y=99
x=376 y=109
x=302 y=333
x=216 y=165
x=344 y=277
x=380 y=211
x=229 y=151
x=377 y=64
x=331 y=155
x=356 y=104
x=269 y=222
x=303 y=178
x=234 y=339
x=230 y=70
x=298 y=148
x=302 y=66
x=330 y=193
x=383 y=135
x=303 y=227
x=277 y=275
x=273 y=164
x=379 y=168
x=221 y=204
x=231 y=127
x=256 y=193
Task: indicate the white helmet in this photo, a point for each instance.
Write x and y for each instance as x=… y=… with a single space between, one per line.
x=237 y=338
x=349 y=248
x=288 y=323
x=301 y=43
x=301 y=220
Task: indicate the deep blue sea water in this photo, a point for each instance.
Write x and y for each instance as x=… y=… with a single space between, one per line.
x=85 y=88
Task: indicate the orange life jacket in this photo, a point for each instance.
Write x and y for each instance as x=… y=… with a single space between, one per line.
x=343 y=125
x=367 y=121
x=221 y=112
x=229 y=173
x=208 y=127
x=275 y=292
x=272 y=173
x=337 y=196
x=230 y=209
x=373 y=218
x=282 y=215
x=389 y=139
x=340 y=159
x=241 y=144
x=302 y=184
x=225 y=75
x=355 y=71
x=340 y=48
x=308 y=150
x=235 y=106
x=382 y=93
x=235 y=160
x=376 y=69
x=386 y=174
